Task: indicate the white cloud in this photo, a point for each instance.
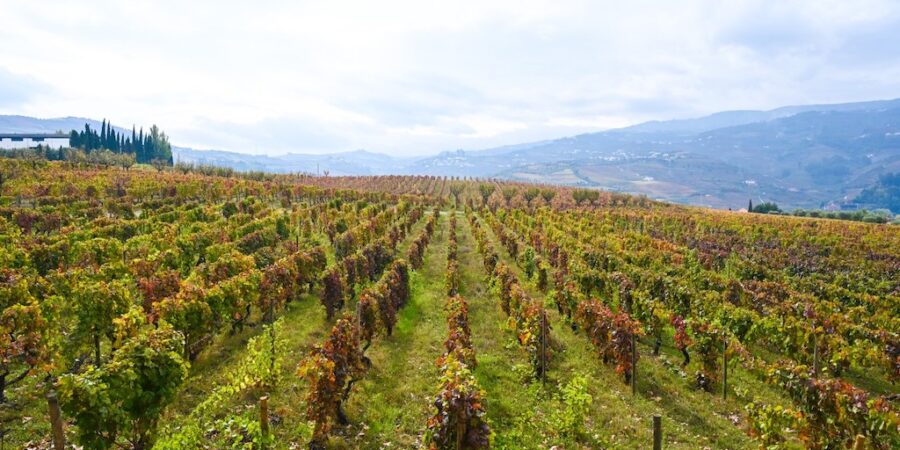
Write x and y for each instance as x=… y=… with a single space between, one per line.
x=420 y=76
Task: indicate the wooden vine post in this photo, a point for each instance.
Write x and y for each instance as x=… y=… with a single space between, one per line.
x=59 y=438
x=359 y=324
x=264 y=415
x=724 y=368
x=272 y=349
x=543 y=348
x=859 y=443
x=657 y=433
x=633 y=364
x=815 y=355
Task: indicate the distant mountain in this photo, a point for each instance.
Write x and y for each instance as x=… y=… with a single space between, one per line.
x=798 y=156
x=806 y=156
x=357 y=162
x=25 y=124
x=735 y=118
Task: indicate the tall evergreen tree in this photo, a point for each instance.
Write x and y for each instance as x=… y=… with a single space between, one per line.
x=86 y=140
x=145 y=147
x=149 y=152
x=750 y=206
x=111 y=137
x=74 y=139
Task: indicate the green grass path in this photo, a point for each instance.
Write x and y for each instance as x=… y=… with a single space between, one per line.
x=390 y=405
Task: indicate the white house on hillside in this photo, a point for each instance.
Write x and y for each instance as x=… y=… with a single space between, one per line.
x=31 y=140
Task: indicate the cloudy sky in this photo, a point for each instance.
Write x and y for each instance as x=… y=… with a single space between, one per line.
x=416 y=77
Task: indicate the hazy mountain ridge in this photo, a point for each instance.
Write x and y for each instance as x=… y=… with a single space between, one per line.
x=805 y=156
x=802 y=156
x=25 y=124
x=736 y=118
x=357 y=162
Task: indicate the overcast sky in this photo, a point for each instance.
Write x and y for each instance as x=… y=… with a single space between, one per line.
x=416 y=77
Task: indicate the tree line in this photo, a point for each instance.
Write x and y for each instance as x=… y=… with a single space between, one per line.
x=154 y=145
x=860 y=215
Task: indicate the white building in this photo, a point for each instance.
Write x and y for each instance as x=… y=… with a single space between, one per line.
x=31 y=140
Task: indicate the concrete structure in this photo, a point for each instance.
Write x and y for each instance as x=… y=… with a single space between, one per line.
x=31 y=140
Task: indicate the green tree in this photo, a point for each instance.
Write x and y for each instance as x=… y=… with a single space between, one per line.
x=140 y=151
x=74 y=139
x=158 y=146
x=103 y=137
x=158 y=164
x=766 y=208
x=125 y=160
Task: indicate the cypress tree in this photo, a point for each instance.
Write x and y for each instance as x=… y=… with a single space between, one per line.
x=154 y=143
x=141 y=154
x=86 y=138
x=750 y=207
x=149 y=151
